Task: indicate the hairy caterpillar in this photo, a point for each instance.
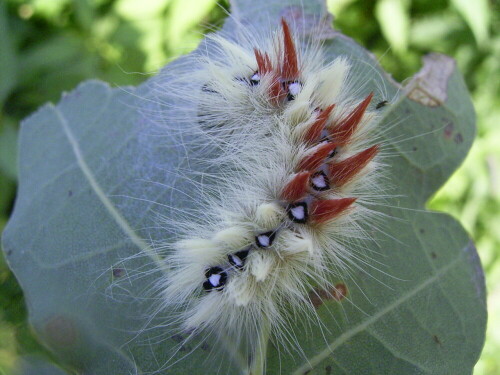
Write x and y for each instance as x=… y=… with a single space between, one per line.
x=294 y=151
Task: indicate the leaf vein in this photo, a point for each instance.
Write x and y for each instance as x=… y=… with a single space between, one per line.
x=115 y=214
x=360 y=327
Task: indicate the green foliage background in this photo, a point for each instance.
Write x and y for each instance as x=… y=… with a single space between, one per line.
x=49 y=46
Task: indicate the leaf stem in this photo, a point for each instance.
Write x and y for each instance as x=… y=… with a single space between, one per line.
x=259 y=361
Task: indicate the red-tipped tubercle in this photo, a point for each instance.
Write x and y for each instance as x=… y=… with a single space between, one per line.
x=287 y=69
x=297 y=187
x=324 y=210
x=343 y=131
x=263 y=62
x=343 y=171
x=314 y=132
x=313 y=161
x=290 y=66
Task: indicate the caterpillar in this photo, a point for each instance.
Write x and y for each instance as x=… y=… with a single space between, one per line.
x=295 y=154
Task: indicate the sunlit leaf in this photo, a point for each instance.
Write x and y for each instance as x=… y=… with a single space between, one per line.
x=476 y=14
x=394 y=19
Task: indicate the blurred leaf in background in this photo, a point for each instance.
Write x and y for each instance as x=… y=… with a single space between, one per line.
x=49 y=46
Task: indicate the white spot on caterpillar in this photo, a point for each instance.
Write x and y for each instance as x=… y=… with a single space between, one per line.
x=320 y=182
x=298 y=212
x=294 y=88
x=265 y=239
x=255 y=79
x=214 y=280
x=238 y=259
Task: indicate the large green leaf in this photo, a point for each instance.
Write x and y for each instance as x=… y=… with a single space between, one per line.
x=92 y=167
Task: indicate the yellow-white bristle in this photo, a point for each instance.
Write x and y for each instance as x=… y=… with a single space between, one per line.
x=234 y=237
x=269 y=215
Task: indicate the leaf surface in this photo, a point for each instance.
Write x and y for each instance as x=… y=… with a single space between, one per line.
x=95 y=176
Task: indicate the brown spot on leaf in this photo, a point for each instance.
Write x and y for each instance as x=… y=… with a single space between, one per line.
x=118 y=272
x=433 y=255
x=337 y=293
x=436 y=340
x=181 y=341
x=314 y=297
x=429 y=86
x=448 y=130
x=340 y=291
x=458 y=138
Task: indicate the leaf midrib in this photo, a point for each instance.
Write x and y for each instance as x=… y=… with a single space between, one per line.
x=101 y=195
